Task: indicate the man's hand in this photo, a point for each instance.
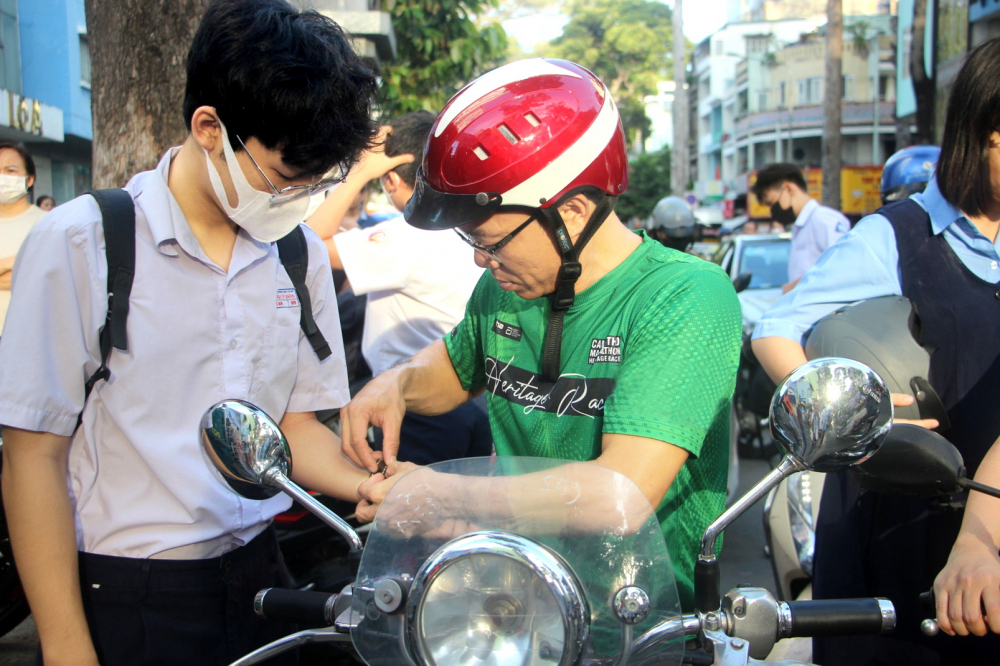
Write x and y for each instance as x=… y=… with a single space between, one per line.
x=904 y=400
x=968 y=583
x=379 y=403
x=374 y=490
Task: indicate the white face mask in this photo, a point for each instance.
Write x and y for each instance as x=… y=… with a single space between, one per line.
x=13 y=189
x=265 y=221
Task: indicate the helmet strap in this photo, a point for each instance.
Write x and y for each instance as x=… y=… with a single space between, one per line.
x=569 y=273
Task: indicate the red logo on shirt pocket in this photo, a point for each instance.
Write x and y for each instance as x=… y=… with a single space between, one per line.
x=287 y=298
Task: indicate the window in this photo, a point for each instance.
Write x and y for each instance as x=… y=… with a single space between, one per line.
x=883 y=88
x=720 y=47
x=84 y=61
x=816 y=90
x=781 y=95
x=848 y=90
x=761 y=101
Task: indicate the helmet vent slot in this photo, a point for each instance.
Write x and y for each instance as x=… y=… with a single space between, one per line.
x=481 y=153
x=530 y=117
x=508 y=134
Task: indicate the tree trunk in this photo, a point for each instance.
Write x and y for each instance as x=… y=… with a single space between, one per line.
x=923 y=82
x=678 y=152
x=138 y=71
x=831 y=103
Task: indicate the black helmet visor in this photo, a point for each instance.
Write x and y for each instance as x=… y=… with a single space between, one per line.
x=433 y=210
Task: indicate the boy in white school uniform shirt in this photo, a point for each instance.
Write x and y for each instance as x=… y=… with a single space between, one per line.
x=131 y=547
x=417 y=283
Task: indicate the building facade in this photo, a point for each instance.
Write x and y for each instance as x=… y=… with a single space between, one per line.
x=714 y=65
x=660 y=111
x=44 y=96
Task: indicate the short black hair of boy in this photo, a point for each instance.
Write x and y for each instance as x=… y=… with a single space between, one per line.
x=29 y=162
x=409 y=136
x=286 y=77
x=773 y=175
x=963 y=168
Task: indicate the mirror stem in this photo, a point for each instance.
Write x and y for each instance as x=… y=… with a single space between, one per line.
x=274 y=477
x=978 y=487
x=787 y=467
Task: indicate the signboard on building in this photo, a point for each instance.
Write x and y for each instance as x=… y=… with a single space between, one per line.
x=859 y=190
x=23 y=115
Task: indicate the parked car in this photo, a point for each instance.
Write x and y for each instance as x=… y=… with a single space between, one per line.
x=758 y=267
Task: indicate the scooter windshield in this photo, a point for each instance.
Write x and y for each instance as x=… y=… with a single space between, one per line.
x=526 y=561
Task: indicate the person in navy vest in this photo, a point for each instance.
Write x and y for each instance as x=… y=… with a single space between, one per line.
x=939 y=249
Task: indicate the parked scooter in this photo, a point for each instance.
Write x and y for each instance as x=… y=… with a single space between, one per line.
x=454 y=568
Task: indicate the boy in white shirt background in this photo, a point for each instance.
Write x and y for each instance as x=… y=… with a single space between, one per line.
x=417 y=283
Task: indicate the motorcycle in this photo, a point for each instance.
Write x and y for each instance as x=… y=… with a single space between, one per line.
x=530 y=561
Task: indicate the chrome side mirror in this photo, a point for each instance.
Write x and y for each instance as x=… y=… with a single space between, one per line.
x=826 y=415
x=831 y=413
x=244 y=444
x=251 y=452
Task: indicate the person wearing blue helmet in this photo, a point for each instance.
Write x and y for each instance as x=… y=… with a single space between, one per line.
x=907 y=172
x=939 y=249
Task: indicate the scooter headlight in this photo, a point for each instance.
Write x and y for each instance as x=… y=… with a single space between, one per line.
x=496 y=598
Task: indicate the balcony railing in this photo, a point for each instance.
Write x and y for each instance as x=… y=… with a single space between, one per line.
x=803 y=117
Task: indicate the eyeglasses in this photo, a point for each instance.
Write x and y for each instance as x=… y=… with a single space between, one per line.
x=293 y=191
x=490 y=251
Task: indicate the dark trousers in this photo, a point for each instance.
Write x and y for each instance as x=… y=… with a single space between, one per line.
x=172 y=612
x=461 y=433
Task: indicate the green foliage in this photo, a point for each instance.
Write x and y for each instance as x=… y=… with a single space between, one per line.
x=440 y=48
x=649 y=181
x=627 y=43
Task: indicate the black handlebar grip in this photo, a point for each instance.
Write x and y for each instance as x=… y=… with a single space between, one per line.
x=928 y=602
x=314 y=609
x=840 y=617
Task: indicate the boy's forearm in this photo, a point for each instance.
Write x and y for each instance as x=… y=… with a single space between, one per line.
x=778 y=356
x=43 y=537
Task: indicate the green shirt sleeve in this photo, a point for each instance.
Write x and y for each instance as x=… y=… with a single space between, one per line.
x=465 y=341
x=679 y=365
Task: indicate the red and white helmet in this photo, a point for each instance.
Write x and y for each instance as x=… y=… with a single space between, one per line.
x=524 y=134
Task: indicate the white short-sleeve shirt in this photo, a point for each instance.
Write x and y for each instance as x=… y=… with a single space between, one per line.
x=817 y=227
x=13 y=231
x=140 y=483
x=418 y=283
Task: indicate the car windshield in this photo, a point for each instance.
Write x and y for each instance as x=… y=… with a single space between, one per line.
x=767 y=263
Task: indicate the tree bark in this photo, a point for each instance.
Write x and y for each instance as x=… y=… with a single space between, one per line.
x=831 y=103
x=138 y=72
x=678 y=152
x=923 y=81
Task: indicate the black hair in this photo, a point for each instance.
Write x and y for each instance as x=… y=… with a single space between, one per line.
x=286 y=77
x=963 y=169
x=44 y=197
x=774 y=175
x=409 y=136
x=29 y=163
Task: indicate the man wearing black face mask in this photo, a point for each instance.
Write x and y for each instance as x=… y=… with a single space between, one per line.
x=815 y=227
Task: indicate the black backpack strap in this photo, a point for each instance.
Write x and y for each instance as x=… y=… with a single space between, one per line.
x=118 y=219
x=294 y=255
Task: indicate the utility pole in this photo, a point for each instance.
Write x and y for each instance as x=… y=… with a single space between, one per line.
x=679 y=152
x=831 y=103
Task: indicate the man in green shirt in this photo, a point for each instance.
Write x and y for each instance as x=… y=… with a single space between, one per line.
x=593 y=343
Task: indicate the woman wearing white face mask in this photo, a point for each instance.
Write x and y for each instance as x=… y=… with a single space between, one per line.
x=17 y=215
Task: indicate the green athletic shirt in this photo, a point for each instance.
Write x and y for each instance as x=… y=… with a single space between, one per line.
x=650 y=349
